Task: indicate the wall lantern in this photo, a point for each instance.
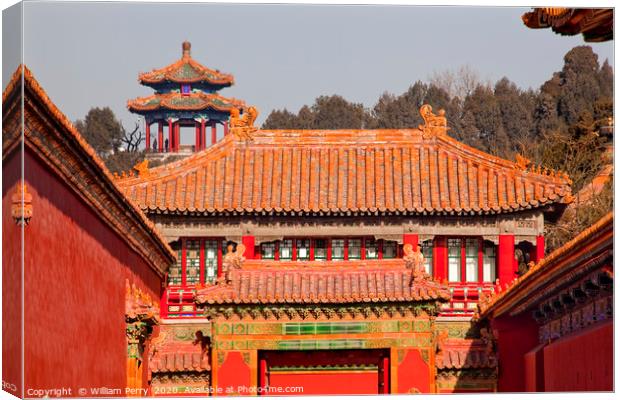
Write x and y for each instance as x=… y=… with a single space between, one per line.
x=21 y=207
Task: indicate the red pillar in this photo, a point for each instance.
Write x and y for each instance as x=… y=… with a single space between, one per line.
x=213 y=132
x=225 y=123
x=148 y=136
x=203 y=142
x=197 y=145
x=412 y=239
x=163 y=304
x=183 y=262
x=160 y=136
x=506 y=259
x=540 y=248
x=440 y=258
x=170 y=135
x=177 y=136
x=248 y=242
x=262 y=376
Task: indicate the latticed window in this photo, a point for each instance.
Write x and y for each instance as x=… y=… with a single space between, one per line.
x=286 y=249
x=192 y=262
x=210 y=260
x=390 y=249
x=372 y=249
x=454 y=260
x=320 y=249
x=268 y=250
x=489 y=262
x=303 y=249
x=175 y=273
x=337 y=249
x=471 y=260
x=355 y=249
x=427 y=252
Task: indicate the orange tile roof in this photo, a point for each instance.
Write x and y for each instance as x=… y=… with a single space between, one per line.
x=596 y=24
x=186 y=70
x=345 y=171
x=560 y=262
x=196 y=101
x=68 y=154
x=299 y=282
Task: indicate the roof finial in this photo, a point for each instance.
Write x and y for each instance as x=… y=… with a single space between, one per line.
x=187 y=49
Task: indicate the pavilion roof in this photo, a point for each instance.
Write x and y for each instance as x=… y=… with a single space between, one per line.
x=195 y=101
x=186 y=70
x=327 y=282
x=596 y=25
x=559 y=269
x=49 y=134
x=345 y=172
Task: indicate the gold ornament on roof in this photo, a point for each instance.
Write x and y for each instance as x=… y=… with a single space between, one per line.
x=523 y=162
x=242 y=126
x=414 y=260
x=433 y=124
x=232 y=260
x=142 y=168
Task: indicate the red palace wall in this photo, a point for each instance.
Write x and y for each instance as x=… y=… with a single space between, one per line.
x=11 y=280
x=515 y=337
x=75 y=272
x=582 y=361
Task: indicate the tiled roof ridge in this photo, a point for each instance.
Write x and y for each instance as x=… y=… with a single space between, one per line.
x=229 y=143
x=335 y=285
x=597 y=227
x=158 y=75
x=23 y=72
x=164 y=98
x=419 y=170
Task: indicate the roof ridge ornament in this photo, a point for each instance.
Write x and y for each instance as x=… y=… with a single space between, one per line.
x=233 y=260
x=187 y=49
x=414 y=260
x=434 y=125
x=243 y=126
x=142 y=168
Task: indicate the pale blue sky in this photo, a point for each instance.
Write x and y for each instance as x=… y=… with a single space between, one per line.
x=89 y=54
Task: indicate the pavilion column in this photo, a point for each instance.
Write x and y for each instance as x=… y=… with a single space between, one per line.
x=160 y=136
x=148 y=136
x=177 y=135
x=170 y=135
x=213 y=132
x=203 y=142
x=197 y=146
x=506 y=259
x=225 y=123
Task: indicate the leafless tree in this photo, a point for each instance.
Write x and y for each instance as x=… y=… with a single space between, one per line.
x=132 y=139
x=458 y=83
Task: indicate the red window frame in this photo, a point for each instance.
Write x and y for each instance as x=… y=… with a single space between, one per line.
x=201 y=240
x=329 y=248
x=463 y=260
